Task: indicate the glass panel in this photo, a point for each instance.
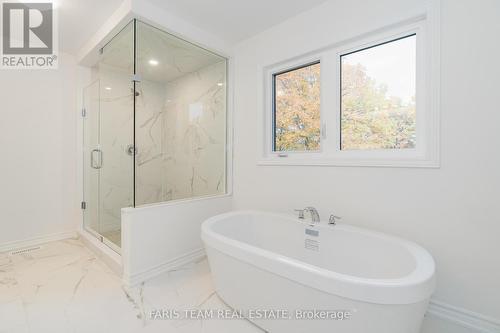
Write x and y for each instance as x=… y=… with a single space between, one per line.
x=180 y=129
x=109 y=128
x=117 y=122
x=297 y=109
x=91 y=193
x=378 y=96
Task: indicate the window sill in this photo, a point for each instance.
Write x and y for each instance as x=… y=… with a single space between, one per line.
x=400 y=163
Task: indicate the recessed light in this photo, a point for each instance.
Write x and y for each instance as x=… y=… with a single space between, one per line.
x=220 y=84
x=107 y=88
x=153 y=62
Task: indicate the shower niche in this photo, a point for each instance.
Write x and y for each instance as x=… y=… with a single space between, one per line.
x=154 y=126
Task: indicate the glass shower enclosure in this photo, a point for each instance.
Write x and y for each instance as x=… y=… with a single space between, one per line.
x=154 y=126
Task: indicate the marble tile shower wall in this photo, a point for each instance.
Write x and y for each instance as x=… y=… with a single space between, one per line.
x=195 y=133
x=116 y=134
x=150 y=178
x=180 y=139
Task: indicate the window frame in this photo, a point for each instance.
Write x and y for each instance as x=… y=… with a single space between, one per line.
x=269 y=91
x=426 y=153
x=273 y=109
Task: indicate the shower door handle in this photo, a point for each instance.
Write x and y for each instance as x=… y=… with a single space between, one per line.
x=96 y=163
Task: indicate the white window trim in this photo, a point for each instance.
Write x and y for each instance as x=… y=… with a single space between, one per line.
x=269 y=135
x=427 y=152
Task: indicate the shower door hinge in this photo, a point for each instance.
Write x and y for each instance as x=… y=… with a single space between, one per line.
x=84 y=113
x=136 y=78
x=84 y=205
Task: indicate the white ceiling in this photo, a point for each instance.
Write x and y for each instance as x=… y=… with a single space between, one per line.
x=235 y=20
x=230 y=20
x=174 y=57
x=80 y=19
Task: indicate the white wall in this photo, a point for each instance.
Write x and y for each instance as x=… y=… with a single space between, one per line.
x=38 y=165
x=452 y=211
x=161 y=237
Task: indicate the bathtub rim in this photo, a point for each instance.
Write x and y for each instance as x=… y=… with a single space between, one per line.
x=414 y=287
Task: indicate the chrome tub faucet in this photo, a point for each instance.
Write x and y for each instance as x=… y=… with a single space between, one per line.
x=311 y=210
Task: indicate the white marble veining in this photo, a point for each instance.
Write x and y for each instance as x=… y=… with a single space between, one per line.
x=180 y=140
x=195 y=133
x=109 y=127
x=116 y=123
x=177 y=120
x=64 y=288
x=180 y=136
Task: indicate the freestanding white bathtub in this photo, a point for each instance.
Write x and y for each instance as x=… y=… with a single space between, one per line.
x=273 y=266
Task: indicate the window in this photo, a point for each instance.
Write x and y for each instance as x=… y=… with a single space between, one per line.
x=297 y=109
x=378 y=90
x=371 y=101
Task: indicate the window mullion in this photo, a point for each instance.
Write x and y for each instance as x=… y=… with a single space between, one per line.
x=328 y=78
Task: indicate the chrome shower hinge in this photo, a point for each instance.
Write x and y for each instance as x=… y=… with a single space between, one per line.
x=136 y=78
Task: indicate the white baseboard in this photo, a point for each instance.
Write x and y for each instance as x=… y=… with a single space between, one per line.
x=10 y=246
x=137 y=278
x=465 y=318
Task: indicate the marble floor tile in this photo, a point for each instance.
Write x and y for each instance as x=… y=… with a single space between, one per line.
x=63 y=287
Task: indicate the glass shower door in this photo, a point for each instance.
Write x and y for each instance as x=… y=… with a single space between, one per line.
x=109 y=140
x=91 y=173
x=155 y=127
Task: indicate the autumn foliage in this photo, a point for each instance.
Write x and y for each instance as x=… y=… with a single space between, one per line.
x=370 y=119
x=297 y=117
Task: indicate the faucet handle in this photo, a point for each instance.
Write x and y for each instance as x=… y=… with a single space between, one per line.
x=333 y=218
x=301 y=213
